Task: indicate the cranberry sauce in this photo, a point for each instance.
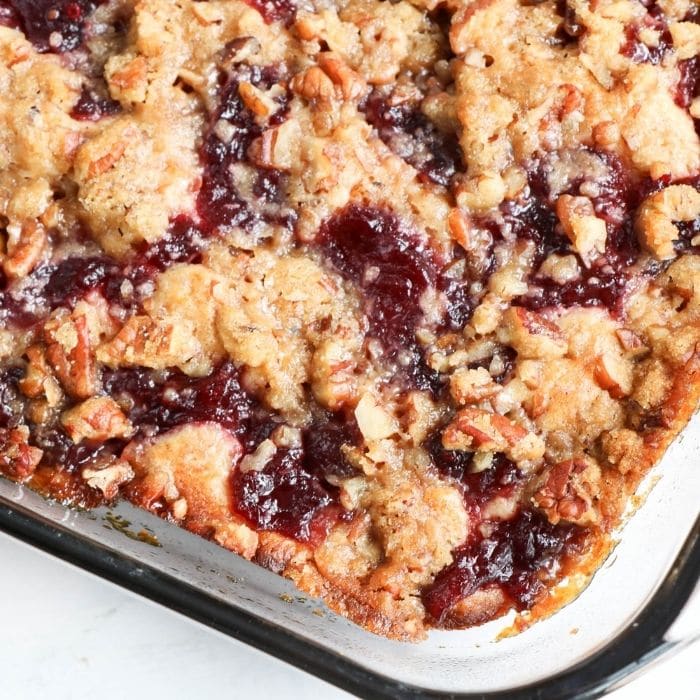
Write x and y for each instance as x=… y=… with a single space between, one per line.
x=275 y=10
x=92 y=106
x=636 y=50
x=413 y=137
x=63 y=284
x=513 y=554
x=604 y=282
x=220 y=202
x=291 y=494
x=517 y=556
x=11 y=401
x=51 y=25
x=392 y=266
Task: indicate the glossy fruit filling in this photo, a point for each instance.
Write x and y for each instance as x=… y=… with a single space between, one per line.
x=394 y=267
x=92 y=107
x=413 y=137
x=51 y=25
x=222 y=203
x=603 y=281
x=518 y=556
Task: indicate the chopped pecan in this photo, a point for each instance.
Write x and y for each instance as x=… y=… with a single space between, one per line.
x=568 y=491
x=654 y=222
x=585 y=230
x=611 y=374
x=97 y=419
x=374 y=422
x=458 y=224
x=18 y=459
x=108 y=476
x=25 y=246
x=259 y=102
x=352 y=86
x=38 y=380
x=479 y=430
x=70 y=354
x=531 y=335
x=313 y=84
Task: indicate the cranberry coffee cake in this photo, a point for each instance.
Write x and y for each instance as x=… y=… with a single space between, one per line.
x=399 y=299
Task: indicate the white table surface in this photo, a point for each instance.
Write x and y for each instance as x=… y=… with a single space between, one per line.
x=67 y=635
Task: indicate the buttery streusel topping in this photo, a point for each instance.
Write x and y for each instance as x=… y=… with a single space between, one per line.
x=399 y=299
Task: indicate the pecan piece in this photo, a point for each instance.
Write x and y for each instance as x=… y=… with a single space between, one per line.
x=585 y=230
x=70 y=354
x=352 y=86
x=25 y=246
x=38 y=381
x=108 y=476
x=568 y=490
x=482 y=431
x=97 y=419
x=18 y=459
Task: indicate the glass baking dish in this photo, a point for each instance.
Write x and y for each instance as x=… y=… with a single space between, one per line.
x=623 y=620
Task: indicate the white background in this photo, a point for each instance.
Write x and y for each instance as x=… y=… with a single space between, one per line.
x=66 y=635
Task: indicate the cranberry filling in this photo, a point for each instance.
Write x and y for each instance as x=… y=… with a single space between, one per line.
x=291 y=494
x=393 y=266
x=220 y=202
x=275 y=10
x=285 y=496
x=604 y=282
x=514 y=554
x=92 y=107
x=63 y=284
x=517 y=556
x=635 y=49
x=11 y=403
x=51 y=25
x=412 y=136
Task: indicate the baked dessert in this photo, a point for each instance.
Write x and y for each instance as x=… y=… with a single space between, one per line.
x=400 y=300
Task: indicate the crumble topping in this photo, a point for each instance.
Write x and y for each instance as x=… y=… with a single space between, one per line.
x=399 y=300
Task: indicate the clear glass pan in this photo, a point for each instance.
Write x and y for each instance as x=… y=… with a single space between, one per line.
x=623 y=619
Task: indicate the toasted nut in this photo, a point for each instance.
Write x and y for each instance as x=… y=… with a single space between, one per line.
x=458 y=225
x=374 y=422
x=96 y=419
x=313 y=84
x=479 y=430
x=610 y=374
x=18 y=459
x=24 y=250
x=654 y=222
x=38 y=380
x=352 y=86
x=109 y=477
x=70 y=354
x=568 y=491
x=585 y=230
